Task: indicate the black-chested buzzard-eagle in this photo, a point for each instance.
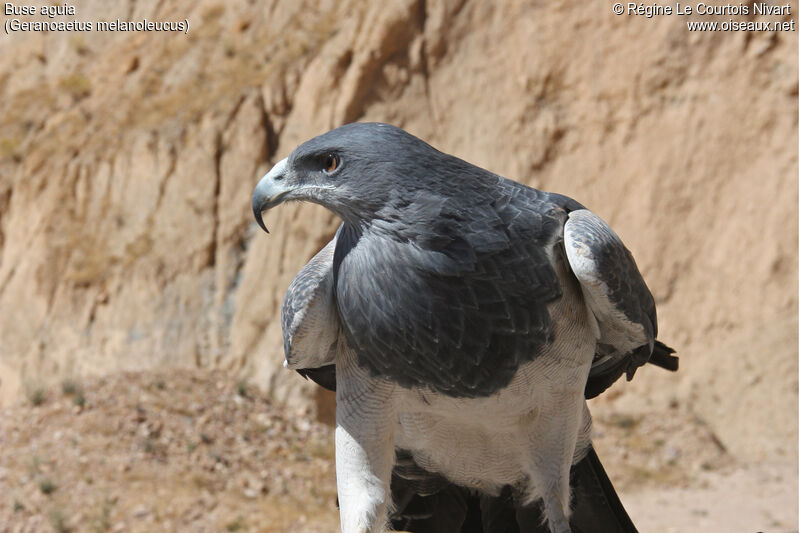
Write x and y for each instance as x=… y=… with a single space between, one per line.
x=463 y=319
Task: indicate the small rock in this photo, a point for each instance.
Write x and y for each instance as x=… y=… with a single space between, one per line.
x=673 y=453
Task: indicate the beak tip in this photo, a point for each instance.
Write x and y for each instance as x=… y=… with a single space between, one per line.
x=268 y=192
x=261 y=223
x=257 y=210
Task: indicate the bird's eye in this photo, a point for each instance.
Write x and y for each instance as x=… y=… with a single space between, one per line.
x=330 y=163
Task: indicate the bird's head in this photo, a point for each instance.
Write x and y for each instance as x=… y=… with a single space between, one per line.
x=355 y=171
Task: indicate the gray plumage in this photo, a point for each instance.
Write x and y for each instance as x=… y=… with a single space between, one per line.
x=310 y=327
x=445 y=279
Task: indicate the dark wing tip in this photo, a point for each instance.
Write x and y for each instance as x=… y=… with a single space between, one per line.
x=662 y=357
x=596 y=506
x=324 y=376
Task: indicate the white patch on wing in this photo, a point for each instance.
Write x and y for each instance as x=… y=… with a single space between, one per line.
x=614 y=327
x=314 y=327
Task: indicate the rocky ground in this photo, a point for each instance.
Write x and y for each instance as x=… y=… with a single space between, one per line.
x=172 y=451
x=200 y=451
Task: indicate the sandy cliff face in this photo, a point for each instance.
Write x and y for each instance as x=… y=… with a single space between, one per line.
x=128 y=159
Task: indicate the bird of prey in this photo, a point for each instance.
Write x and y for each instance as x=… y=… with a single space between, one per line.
x=463 y=319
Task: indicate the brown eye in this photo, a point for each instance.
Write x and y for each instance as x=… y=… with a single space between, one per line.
x=331 y=163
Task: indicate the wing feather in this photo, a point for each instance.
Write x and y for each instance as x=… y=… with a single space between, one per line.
x=309 y=317
x=615 y=293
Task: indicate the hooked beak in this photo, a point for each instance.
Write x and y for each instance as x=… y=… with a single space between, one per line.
x=270 y=191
